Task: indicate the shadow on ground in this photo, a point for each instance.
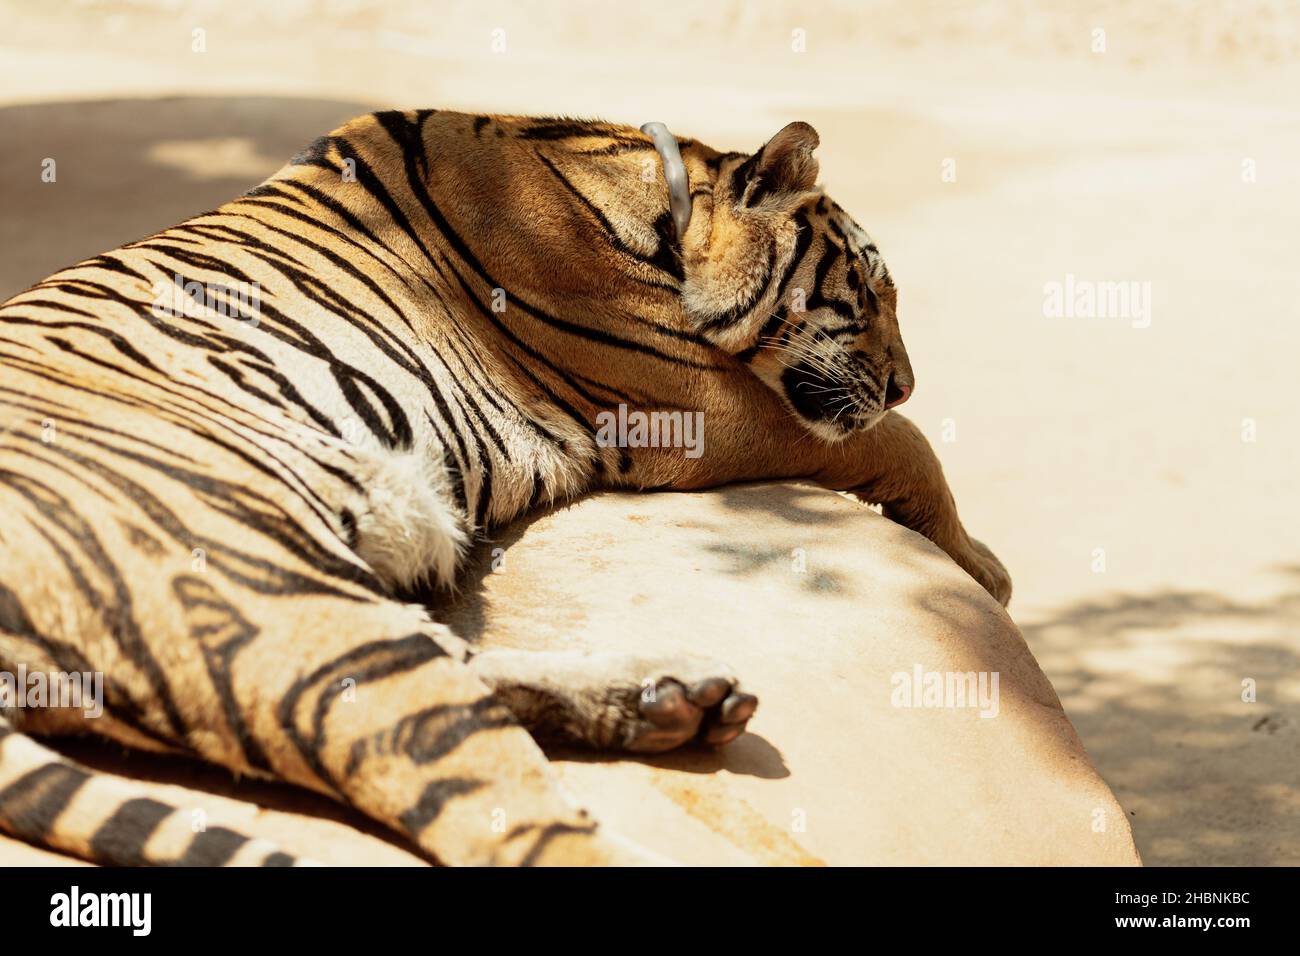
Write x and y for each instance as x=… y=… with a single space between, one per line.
x=125 y=169
x=1214 y=779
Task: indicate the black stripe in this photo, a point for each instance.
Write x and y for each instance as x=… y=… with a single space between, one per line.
x=313 y=154
x=560 y=128
x=221 y=631
x=30 y=805
x=435 y=797
x=369 y=662
x=213 y=847
x=120 y=840
x=546 y=834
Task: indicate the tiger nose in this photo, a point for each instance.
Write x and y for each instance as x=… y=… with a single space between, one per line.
x=897 y=391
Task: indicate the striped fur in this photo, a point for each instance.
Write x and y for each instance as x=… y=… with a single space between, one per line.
x=239 y=507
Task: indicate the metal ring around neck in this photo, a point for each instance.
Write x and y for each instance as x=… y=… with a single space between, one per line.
x=679 y=189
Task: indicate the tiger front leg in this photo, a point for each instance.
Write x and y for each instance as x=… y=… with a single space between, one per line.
x=894 y=466
x=750 y=436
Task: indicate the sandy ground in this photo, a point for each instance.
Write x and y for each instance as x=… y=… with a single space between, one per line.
x=1136 y=476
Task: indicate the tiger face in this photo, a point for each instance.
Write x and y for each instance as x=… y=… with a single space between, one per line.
x=783 y=278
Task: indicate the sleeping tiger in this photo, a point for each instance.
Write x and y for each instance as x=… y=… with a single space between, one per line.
x=242 y=459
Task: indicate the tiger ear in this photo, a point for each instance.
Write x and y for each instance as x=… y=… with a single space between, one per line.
x=748 y=224
x=781 y=173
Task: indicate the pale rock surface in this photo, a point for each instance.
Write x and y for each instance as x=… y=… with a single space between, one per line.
x=817 y=602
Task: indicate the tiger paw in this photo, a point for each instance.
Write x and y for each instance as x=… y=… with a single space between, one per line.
x=619 y=701
x=984 y=566
x=709 y=706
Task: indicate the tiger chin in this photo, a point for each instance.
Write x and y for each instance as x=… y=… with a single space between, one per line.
x=280 y=425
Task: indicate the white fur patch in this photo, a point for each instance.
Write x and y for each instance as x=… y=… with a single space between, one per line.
x=409 y=533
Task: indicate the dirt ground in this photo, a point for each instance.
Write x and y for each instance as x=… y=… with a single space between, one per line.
x=1135 y=472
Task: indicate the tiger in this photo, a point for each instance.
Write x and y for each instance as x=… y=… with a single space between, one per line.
x=243 y=460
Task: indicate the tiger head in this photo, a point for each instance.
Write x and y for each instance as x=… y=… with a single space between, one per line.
x=743 y=253
x=783 y=278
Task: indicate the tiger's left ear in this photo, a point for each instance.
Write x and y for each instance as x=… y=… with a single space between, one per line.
x=779 y=175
